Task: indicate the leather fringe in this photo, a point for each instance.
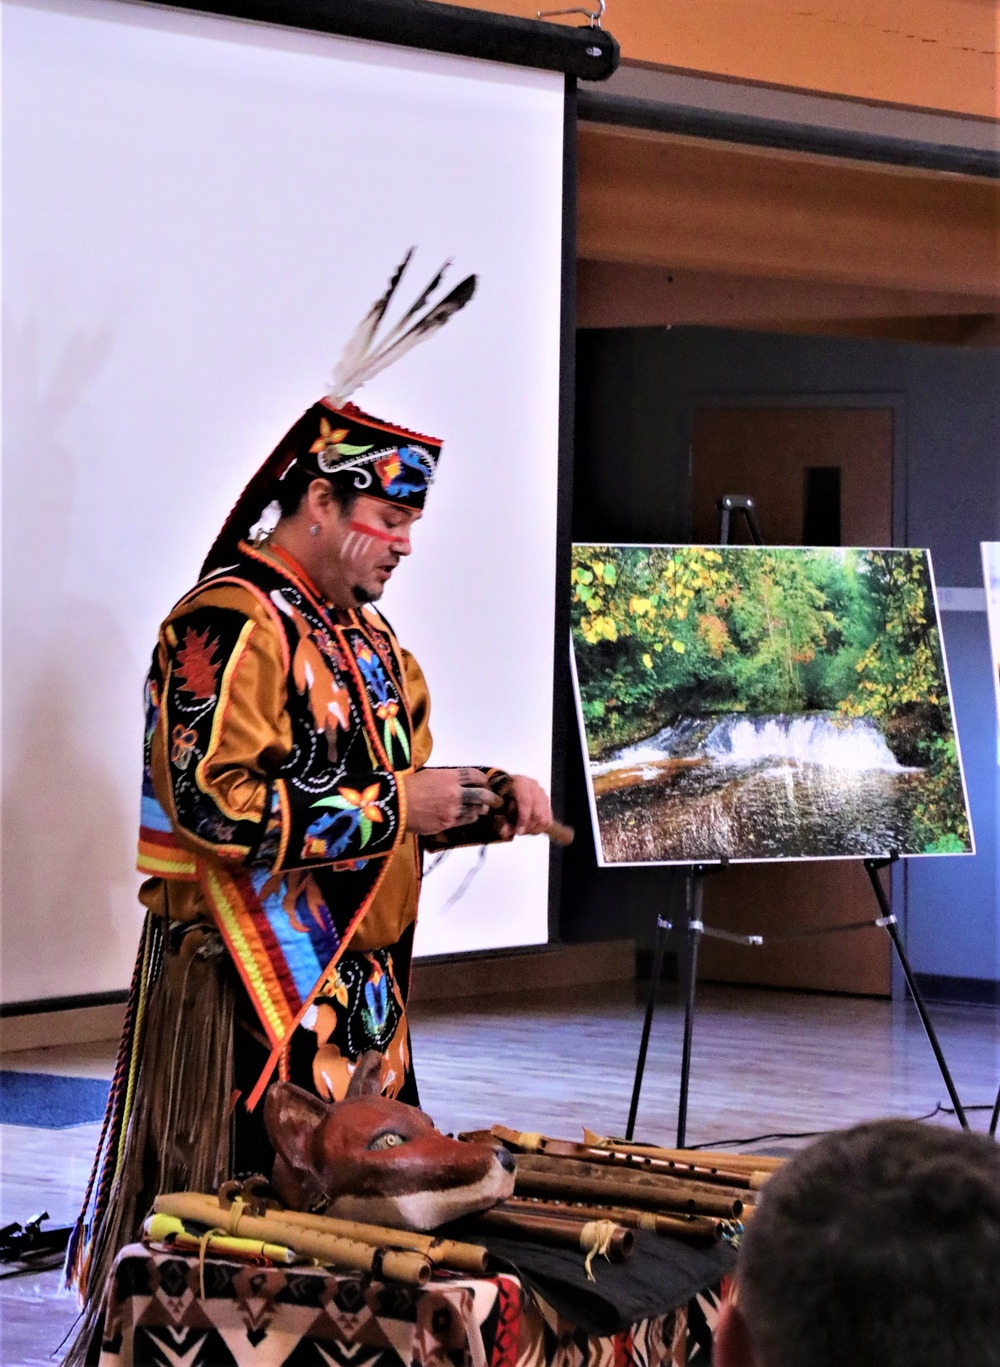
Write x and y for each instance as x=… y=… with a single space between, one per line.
x=167 y=1127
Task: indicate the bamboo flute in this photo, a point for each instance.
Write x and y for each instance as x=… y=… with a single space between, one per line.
x=565 y=1177
x=751 y=1168
x=692 y=1228
x=451 y=1253
x=391 y=1264
x=735 y=1162
x=559 y=1230
x=558 y=1148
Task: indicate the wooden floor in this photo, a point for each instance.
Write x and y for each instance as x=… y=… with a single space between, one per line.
x=764 y=1063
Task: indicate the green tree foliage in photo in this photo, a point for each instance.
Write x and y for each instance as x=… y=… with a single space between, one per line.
x=664 y=632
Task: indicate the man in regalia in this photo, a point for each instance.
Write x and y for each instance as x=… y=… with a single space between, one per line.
x=286 y=802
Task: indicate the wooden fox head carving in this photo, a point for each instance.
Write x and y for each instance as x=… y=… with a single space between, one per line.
x=379 y=1161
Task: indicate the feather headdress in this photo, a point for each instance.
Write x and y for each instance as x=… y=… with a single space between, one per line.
x=335 y=438
x=363 y=358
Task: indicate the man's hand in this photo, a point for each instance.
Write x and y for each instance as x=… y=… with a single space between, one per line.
x=532 y=814
x=437 y=799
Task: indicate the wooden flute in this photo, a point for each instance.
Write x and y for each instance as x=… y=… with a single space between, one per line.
x=565 y=1178
x=559 y=1148
x=747 y=1171
x=560 y=1229
x=696 y=1229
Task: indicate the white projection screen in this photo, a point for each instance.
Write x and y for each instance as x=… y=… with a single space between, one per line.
x=197 y=213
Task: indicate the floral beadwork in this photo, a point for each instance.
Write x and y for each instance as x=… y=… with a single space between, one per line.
x=354 y=811
x=330 y=449
x=388 y=714
x=404 y=471
x=385 y=703
x=183 y=740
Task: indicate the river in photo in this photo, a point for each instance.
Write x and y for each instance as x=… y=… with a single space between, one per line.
x=756 y=787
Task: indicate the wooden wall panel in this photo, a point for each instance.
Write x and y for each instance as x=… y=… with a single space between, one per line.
x=765 y=452
x=935 y=54
x=784 y=899
x=658 y=200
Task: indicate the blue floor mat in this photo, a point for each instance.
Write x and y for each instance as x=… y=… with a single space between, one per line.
x=49 y=1102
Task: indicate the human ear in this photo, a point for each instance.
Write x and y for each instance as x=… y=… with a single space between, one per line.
x=320 y=500
x=731 y=1345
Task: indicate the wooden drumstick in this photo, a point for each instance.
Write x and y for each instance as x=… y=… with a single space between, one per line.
x=560 y=834
x=556 y=831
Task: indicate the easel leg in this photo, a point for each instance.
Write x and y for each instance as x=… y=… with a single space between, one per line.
x=872 y=867
x=663 y=928
x=996 y=1117
x=695 y=890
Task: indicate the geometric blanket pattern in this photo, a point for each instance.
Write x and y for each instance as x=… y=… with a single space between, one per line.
x=310 y=1317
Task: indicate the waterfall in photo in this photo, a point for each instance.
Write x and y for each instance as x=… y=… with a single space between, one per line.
x=755 y=787
x=853 y=743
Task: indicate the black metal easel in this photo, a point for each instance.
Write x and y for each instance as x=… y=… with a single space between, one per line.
x=738 y=503
x=693 y=896
x=888 y=922
x=729 y=505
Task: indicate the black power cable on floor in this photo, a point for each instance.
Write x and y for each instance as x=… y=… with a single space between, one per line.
x=939 y=1109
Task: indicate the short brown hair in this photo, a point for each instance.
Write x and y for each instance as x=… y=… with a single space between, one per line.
x=877 y=1246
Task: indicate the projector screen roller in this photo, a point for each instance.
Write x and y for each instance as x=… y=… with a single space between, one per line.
x=198 y=211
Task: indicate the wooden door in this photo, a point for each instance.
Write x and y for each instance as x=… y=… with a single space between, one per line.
x=819 y=476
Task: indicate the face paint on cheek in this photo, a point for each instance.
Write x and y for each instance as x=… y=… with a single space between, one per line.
x=356 y=546
x=363 y=546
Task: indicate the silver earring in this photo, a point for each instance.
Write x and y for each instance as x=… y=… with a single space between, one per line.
x=314 y=529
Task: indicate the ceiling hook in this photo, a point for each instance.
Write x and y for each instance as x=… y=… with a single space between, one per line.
x=594 y=16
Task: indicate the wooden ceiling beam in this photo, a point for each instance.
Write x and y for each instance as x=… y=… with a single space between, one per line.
x=610 y=294
x=652 y=199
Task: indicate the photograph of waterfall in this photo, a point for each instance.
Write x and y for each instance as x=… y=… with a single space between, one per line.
x=991 y=578
x=764 y=703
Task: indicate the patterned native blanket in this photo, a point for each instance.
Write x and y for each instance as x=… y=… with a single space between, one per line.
x=308 y=1317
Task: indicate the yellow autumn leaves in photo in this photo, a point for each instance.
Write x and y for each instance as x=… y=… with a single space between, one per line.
x=610 y=612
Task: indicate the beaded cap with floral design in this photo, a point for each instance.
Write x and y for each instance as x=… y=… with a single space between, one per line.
x=335 y=438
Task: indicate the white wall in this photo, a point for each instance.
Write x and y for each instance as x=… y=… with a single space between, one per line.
x=197 y=212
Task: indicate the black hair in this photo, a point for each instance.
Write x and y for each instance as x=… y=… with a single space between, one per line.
x=877 y=1246
x=292 y=489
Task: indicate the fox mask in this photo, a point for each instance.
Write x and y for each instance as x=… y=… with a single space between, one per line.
x=370 y=1159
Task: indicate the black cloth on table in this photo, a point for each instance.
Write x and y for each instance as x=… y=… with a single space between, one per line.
x=662 y=1275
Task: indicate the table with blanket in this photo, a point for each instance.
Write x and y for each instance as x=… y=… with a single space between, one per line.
x=535 y=1309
